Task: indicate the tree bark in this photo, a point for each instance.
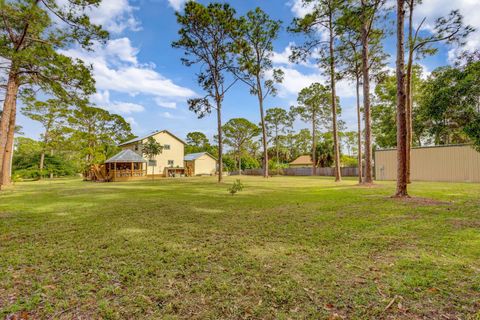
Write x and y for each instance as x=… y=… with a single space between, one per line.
x=276 y=145
x=338 y=176
x=409 y=93
x=6 y=130
x=220 y=139
x=51 y=173
x=264 y=129
x=42 y=154
x=239 y=163
x=401 y=106
x=359 y=133
x=7 y=160
x=366 y=102
x=314 y=147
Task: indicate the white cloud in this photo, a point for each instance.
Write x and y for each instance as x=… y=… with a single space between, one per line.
x=294 y=81
x=102 y=100
x=115 y=16
x=282 y=58
x=122 y=49
x=299 y=8
x=132 y=121
x=470 y=9
x=169 y=115
x=124 y=107
x=165 y=104
x=115 y=68
x=176 y=4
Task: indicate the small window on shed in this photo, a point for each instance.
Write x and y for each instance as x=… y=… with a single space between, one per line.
x=166 y=147
x=170 y=163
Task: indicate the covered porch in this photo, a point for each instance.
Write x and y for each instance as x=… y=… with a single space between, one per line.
x=126 y=165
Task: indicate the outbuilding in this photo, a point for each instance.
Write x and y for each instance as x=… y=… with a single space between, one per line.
x=201 y=163
x=302 y=162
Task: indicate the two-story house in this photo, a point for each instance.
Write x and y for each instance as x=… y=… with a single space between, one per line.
x=171 y=156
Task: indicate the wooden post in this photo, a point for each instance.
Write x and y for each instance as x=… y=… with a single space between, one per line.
x=131 y=173
x=114 y=170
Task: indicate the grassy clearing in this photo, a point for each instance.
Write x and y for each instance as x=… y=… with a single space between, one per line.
x=284 y=248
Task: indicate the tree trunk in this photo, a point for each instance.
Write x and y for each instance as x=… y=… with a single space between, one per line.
x=51 y=173
x=401 y=106
x=41 y=164
x=359 y=133
x=264 y=130
x=7 y=160
x=366 y=102
x=409 y=93
x=276 y=147
x=6 y=131
x=338 y=175
x=42 y=155
x=314 y=147
x=239 y=163
x=220 y=139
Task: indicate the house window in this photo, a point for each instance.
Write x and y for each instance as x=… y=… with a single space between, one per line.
x=136 y=147
x=152 y=163
x=170 y=163
x=166 y=147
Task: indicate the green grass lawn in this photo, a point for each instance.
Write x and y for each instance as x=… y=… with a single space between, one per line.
x=284 y=248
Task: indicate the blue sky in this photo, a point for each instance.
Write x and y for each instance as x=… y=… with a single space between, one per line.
x=140 y=76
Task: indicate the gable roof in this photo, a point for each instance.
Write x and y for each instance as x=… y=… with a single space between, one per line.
x=195 y=156
x=150 y=135
x=305 y=159
x=126 y=155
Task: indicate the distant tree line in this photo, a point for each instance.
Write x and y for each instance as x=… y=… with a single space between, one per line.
x=343 y=38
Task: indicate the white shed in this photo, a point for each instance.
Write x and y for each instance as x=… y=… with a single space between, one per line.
x=201 y=163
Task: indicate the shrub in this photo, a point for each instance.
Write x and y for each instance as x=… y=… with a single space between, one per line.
x=237 y=186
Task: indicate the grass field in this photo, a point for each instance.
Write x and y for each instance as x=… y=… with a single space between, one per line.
x=284 y=248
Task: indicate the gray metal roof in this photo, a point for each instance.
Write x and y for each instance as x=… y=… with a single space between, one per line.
x=126 y=155
x=150 y=135
x=195 y=156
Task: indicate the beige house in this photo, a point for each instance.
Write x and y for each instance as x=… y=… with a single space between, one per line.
x=460 y=163
x=167 y=162
x=201 y=163
x=301 y=162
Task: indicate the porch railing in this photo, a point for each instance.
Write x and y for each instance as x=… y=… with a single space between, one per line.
x=129 y=173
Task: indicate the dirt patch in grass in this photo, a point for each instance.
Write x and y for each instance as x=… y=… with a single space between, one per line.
x=465 y=223
x=421 y=201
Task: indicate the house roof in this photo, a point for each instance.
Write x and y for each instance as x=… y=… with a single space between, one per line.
x=126 y=155
x=305 y=159
x=150 y=135
x=195 y=156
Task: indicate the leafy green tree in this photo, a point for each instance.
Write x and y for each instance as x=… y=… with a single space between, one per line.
x=31 y=34
x=151 y=149
x=450 y=103
x=349 y=140
x=325 y=16
x=238 y=132
x=314 y=107
x=96 y=133
x=26 y=158
x=197 y=139
x=363 y=56
x=384 y=111
x=325 y=150
x=52 y=114
x=255 y=49
x=277 y=122
x=206 y=36
x=449 y=29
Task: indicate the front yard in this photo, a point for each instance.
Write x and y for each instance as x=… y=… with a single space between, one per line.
x=284 y=248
